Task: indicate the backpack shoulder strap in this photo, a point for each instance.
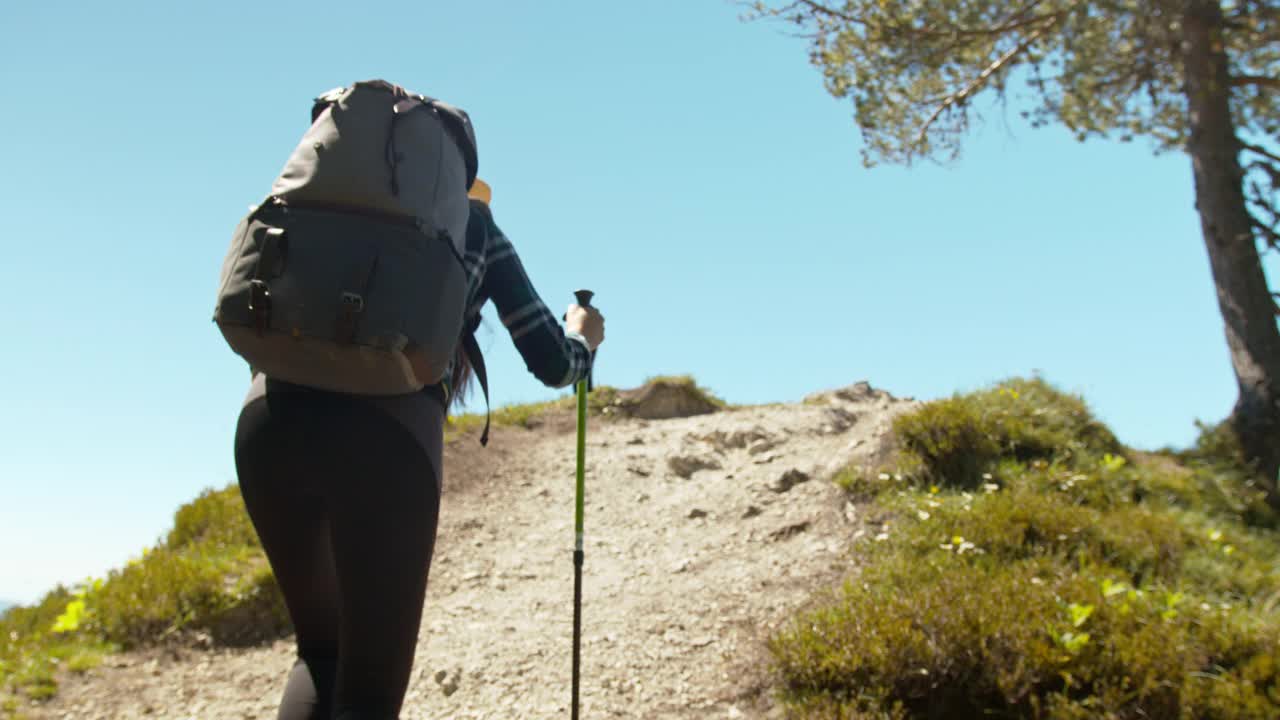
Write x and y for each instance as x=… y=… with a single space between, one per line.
x=476 y=243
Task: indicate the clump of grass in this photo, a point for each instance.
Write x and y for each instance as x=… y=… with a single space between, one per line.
x=516 y=415
x=191 y=590
x=689 y=383
x=208 y=577
x=525 y=415
x=216 y=517
x=1054 y=574
x=1216 y=444
x=1024 y=639
x=32 y=654
x=958 y=439
x=1217 y=453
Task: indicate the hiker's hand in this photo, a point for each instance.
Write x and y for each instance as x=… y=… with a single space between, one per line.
x=587 y=322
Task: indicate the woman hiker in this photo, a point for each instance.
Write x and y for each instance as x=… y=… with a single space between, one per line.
x=344 y=492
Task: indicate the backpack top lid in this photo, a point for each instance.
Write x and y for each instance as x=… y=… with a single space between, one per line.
x=457 y=119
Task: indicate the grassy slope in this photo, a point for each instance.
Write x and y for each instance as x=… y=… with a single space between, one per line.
x=1029 y=566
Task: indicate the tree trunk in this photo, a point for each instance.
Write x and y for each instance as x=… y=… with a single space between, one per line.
x=1243 y=295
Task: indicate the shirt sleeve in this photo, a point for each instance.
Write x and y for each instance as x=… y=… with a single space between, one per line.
x=555 y=357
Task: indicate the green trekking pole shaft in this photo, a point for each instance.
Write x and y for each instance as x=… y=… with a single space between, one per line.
x=584 y=386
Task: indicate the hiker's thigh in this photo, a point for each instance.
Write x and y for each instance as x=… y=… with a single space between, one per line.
x=277 y=447
x=384 y=531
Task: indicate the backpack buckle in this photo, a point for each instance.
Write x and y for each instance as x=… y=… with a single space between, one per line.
x=353 y=302
x=345 y=328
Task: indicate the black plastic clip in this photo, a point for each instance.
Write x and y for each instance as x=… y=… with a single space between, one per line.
x=352 y=305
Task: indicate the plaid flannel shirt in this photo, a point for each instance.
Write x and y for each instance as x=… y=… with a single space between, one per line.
x=555 y=357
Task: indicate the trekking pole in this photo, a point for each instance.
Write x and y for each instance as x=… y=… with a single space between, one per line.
x=584 y=386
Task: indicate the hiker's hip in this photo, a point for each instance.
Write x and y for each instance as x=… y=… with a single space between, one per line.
x=357 y=424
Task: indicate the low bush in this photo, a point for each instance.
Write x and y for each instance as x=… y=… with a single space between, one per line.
x=208 y=577
x=958 y=439
x=1031 y=567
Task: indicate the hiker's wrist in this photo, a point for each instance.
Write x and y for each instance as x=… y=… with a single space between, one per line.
x=574 y=335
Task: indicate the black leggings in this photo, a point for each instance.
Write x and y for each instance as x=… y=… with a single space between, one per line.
x=344 y=501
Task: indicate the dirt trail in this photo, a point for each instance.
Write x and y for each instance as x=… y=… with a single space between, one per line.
x=702 y=534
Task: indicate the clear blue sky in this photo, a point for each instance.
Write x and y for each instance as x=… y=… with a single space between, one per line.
x=686 y=166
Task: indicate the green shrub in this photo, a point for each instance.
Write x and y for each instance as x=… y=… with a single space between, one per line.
x=217 y=517
x=926 y=628
x=955 y=443
x=169 y=591
x=1216 y=444
x=958 y=439
x=31 y=653
x=1016 y=525
x=1031 y=567
x=1038 y=420
x=208 y=576
x=687 y=381
x=861 y=483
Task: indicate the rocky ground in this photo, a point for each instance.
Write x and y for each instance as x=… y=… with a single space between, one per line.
x=703 y=534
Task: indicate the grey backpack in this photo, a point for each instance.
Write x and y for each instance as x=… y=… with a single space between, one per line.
x=349 y=276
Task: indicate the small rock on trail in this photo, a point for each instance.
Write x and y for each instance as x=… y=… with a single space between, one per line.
x=788 y=480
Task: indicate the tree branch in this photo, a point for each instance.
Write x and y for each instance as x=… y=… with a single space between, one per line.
x=1256 y=80
x=1272 y=237
x=821 y=9
x=1260 y=151
x=1018 y=21
x=964 y=93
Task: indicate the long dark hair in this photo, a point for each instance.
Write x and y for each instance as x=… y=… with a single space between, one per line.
x=460 y=378
x=479 y=221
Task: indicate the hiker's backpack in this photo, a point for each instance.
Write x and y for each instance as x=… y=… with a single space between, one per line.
x=349 y=276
